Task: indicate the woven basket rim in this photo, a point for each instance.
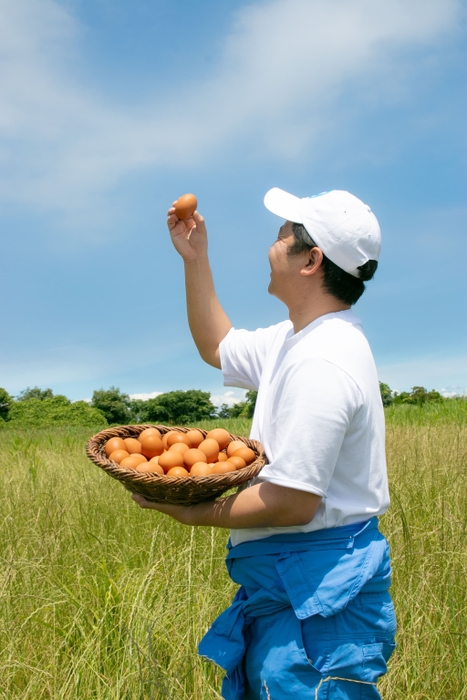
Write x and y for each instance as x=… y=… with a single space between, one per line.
x=162 y=487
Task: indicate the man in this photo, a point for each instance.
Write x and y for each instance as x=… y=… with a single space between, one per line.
x=313 y=617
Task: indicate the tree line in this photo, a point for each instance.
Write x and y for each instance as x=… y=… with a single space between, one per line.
x=41 y=407
x=417 y=396
x=35 y=406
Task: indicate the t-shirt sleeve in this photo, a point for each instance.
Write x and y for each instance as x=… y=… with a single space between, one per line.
x=243 y=354
x=317 y=402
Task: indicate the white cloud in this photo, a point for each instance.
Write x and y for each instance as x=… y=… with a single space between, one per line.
x=454 y=390
x=146 y=396
x=228 y=397
x=285 y=63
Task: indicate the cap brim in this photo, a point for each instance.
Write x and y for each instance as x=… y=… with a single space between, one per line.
x=283 y=204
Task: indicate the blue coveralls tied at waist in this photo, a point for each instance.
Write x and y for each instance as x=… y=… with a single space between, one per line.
x=312 y=574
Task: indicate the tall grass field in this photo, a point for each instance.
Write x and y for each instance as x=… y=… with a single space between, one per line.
x=100 y=600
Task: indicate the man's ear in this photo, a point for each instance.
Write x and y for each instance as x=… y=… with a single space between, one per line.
x=313 y=264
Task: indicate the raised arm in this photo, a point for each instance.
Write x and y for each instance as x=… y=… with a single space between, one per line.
x=209 y=324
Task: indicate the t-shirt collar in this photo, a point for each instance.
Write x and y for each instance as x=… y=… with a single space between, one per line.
x=346 y=315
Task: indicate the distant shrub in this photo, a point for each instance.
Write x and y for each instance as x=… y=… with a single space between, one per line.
x=81 y=413
x=55 y=410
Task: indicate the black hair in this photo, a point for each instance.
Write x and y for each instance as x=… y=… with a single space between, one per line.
x=336 y=281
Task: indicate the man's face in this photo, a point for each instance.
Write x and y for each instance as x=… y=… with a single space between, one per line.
x=285 y=268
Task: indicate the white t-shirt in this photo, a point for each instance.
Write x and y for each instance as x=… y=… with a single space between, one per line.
x=318 y=415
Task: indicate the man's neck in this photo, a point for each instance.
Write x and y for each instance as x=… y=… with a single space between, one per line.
x=308 y=311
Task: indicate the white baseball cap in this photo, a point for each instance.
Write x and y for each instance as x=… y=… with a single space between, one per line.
x=340 y=224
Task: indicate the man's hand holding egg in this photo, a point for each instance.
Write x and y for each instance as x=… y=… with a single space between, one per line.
x=185 y=206
x=187 y=228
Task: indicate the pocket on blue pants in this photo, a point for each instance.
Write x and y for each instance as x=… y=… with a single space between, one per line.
x=354 y=644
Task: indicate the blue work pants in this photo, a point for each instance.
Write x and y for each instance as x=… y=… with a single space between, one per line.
x=312 y=620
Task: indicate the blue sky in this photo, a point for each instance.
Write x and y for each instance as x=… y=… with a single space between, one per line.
x=110 y=110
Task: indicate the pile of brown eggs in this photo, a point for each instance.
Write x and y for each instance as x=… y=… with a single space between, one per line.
x=180 y=454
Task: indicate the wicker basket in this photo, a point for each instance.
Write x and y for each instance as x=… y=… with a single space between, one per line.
x=171 y=489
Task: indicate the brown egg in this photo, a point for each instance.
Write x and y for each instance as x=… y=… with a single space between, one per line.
x=234 y=445
x=154 y=460
x=201 y=469
x=190 y=457
x=118 y=455
x=178 y=437
x=170 y=459
x=113 y=444
x=238 y=462
x=178 y=471
x=195 y=437
x=210 y=448
x=181 y=447
x=149 y=431
x=150 y=468
x=185 y=206
x=245 y=453
x=133 y=446
x=151 y=446
x=223 y=468
x=165 y=437
x=221 y=436
x=132 y=461
x=222 y=457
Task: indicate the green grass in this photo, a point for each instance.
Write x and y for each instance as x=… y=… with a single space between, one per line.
x=101 y=600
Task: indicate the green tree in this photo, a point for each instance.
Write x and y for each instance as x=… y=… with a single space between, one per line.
x=180 y=407
x=237 y=409
x=241 y=409
x=418 y=395
x=401 y=398
x=5 y=403
x=139 y=410
x=34 y=393
x=251 y=397
x=224 y=411
x=387 y=395
x=114 y=404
